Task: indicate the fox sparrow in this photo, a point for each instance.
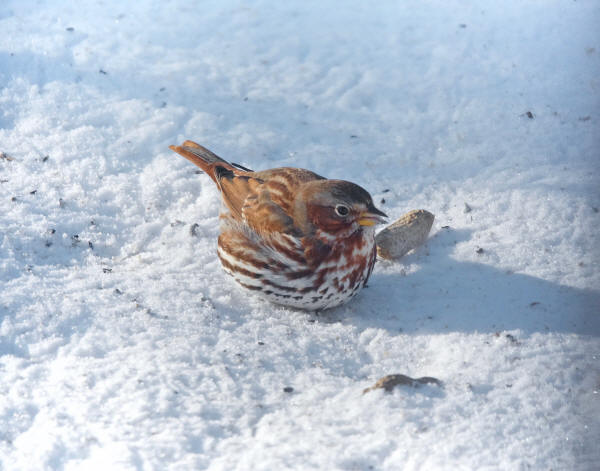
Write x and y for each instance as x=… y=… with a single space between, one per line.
x=290 y=235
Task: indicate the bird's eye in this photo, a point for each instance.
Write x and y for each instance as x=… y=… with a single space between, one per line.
x=342 y=210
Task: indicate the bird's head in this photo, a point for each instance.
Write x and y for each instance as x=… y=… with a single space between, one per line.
x=335 y=206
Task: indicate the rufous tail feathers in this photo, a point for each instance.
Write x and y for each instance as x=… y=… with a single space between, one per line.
x=203 y=158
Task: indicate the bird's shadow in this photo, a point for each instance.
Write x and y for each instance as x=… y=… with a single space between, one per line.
x=446 y=295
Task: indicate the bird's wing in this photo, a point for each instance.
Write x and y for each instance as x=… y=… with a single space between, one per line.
x=270 y=208
x=263 y=214
x=261 y=199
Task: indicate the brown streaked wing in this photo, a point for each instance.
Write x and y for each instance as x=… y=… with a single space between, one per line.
x=290 y=175
x=236 y=189
x=264 y=215
x=270 y=208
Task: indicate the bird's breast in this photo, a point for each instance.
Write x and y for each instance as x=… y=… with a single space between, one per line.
x=299 y=272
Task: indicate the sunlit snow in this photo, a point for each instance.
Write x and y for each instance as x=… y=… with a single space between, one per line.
x=123 y=344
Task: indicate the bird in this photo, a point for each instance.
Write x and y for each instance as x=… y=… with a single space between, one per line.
x=289 y=235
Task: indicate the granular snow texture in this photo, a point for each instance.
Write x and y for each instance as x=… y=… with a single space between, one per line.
x=123 y=345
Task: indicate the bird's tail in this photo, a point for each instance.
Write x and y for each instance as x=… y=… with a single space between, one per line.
x=233 y=180
x=211 y=163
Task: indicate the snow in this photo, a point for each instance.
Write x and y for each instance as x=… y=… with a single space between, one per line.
x=123 y=345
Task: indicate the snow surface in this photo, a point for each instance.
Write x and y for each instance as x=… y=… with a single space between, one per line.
x=123 y=345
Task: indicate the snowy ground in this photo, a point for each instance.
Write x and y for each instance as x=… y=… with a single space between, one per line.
x=124 y=346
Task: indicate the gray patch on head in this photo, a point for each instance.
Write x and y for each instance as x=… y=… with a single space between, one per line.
x=349 y=192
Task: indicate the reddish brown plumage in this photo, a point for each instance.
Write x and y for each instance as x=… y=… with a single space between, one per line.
x=290 y=235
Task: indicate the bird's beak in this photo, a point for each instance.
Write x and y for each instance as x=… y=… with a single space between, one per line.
x=371 y=217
